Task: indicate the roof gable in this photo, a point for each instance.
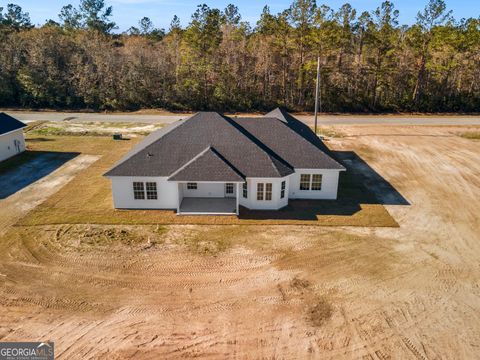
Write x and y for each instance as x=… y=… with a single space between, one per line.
x=299 y=127
x=172 y=150
x=8 y=124
x=209 y=165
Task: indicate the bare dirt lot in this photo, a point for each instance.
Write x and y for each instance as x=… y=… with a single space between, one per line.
x=276 y=292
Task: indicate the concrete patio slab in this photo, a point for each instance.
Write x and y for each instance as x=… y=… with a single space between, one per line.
x=209 y=206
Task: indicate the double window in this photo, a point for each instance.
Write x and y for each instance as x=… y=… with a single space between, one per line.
x=311 y=182
x=192 y=186
x=139 y=190
x=264 y=191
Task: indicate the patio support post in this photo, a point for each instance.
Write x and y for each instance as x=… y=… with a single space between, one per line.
x=238 y=197
x=179 y=201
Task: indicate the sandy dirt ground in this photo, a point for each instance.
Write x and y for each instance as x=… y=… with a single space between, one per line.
x=272 y=292
x=163 y=117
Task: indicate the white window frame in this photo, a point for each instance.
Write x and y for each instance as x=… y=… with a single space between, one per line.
x=192 y=186
x=228 y=187
x=151 y=190
x=311 y=182
x=262 y=193
x=138 y=190
x=303 y=182
x=316 y=182
x=268 y=191
x=282 y=189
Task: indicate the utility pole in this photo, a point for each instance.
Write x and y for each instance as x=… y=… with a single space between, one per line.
x=317 y=94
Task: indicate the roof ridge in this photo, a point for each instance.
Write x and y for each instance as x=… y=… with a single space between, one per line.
x=235 y=125
x=191 y=161
x=305 y=140
x=225 y=160
x=286 y=114
x=207 y=150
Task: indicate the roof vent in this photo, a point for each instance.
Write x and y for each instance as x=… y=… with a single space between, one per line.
x=149 y=155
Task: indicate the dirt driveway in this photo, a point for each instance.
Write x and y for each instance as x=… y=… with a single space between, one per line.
x=287 y=292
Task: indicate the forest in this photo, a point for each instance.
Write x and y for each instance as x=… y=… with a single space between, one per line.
x=369 y=62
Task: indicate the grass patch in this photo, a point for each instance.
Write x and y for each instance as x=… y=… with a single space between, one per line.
x=90 y=128
x=87 y=198
x=472 y=135
x=329 y=132
x=210 y=242
x=59 y=131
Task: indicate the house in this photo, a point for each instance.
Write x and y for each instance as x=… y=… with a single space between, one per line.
x=12 y=141
x=212 y=164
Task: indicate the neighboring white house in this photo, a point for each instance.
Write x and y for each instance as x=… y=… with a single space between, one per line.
x=213 y=164
x=12 y=141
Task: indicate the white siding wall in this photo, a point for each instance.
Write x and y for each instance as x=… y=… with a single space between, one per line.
x=122 y=191
x=329 y=185
x=276 y=203
x=205 y=190
x=171 y=193
x=7 y=144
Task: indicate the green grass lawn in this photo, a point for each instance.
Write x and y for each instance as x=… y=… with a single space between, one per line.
x=87 y=198
x=472 y=135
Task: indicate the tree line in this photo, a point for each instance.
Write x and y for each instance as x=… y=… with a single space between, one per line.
x=368 y=61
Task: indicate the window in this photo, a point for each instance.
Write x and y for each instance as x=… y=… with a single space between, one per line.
x=264 y=191
x=268 y=191
x=245 y=190
x=229 y=188
x=259 y=191
x=138 y=191
x=192 y=186
x=317 y=182
x=305 y=182
x=282 y=192
x=151 y=190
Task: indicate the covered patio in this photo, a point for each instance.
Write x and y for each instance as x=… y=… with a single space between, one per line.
x=208 y=206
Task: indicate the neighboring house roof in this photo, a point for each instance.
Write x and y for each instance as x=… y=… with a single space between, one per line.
x=8 y=124
x=212 y=147
x=209 y=165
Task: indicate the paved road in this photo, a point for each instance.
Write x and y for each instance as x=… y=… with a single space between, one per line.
x=323 y=120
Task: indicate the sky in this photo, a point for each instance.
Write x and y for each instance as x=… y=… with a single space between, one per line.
x=126 y=13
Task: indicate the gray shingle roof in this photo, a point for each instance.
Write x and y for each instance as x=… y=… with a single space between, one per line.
x=299 y=127
x=176 y=147
x=297 y=151
x=209 y=165
x=212 y=147
x=8 y=123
